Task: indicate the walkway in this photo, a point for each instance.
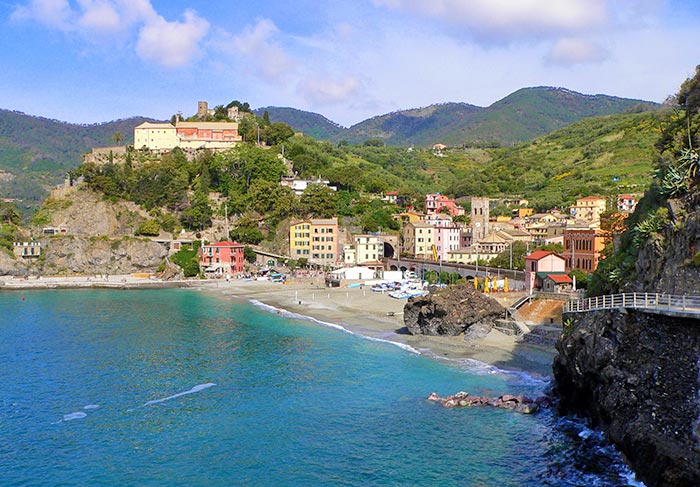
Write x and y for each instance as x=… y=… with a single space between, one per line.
x=666 y=304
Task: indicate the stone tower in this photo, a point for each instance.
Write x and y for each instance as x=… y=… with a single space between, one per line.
x=202 y=109
x=480 y=218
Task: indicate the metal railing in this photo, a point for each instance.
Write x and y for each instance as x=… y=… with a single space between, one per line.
x=661 y=303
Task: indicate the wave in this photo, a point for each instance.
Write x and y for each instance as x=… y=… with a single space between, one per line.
x=196 y=388
x=72 y=416
x=328 y=324
x=473 y=366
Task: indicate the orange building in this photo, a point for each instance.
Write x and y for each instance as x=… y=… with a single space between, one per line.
x=583 y=248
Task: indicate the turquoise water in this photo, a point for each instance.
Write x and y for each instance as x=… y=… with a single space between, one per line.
x=182 y=388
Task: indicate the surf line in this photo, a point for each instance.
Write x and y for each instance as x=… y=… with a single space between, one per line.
x=196 y=388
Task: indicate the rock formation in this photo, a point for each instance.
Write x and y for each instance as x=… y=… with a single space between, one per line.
x=519 y=404
x=638 y=376
x=452 y=311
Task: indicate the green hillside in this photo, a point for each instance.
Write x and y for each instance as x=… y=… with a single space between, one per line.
x=37 y=152
x=309 y=123
x=596 y=156
x=522 y=116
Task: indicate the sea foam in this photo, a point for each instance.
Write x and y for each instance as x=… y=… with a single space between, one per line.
x=196 y=388
x=472 y=365
x=72 y=416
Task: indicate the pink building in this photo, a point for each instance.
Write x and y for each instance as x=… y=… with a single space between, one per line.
x=222 y=258
x=446 y=239
x=539 y=265
x=434 y=203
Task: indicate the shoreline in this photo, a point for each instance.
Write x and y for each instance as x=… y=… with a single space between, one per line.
x=358 y=310
x=379 y=317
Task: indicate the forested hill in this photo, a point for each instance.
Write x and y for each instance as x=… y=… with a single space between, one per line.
x=35 y=152
x=310 y=123
x=520 y=117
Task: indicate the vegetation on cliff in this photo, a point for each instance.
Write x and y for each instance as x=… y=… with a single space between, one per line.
x=668 y=208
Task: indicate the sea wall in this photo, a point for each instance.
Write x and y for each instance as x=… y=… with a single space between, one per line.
x=637 y=375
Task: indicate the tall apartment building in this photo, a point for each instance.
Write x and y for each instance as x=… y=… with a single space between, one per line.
x=589 y=209
x=315 y=240
x=583 y=248
x=418 y=240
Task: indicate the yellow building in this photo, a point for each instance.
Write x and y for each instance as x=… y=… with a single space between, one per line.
x=164 y=137
x=155 y=136
x=588 y=209
x=418 y=240
x=315 y=240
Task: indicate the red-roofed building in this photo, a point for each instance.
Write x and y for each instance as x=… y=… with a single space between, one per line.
x=626 y=203
x=434 y=203
x=557 y=283
x=391 y=197
x=222 y=258
x=539 y=264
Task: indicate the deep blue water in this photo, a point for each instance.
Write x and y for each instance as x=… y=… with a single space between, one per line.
x=182 y=388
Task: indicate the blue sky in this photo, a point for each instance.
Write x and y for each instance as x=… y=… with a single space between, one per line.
x=90 y=61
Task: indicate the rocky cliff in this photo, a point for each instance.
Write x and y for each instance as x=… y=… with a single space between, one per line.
x=452 y=311
x=88 y=255
x=638 y=376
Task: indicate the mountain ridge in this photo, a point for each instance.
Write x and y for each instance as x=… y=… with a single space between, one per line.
x=519 y=117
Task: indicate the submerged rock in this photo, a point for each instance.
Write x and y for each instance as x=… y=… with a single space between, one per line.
x=519 y=404
x=452 y=311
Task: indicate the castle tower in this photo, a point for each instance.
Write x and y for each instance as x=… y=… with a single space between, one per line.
x=233 y=114
x=480 y=218
x=202 y=109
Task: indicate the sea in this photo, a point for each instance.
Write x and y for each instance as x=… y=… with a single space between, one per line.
x=180 y=387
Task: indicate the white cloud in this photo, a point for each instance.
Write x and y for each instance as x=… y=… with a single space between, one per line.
x=570 y=51
x=257 y=44
x=172 y=44
x=52 y=13
x=506 y=20
x=100 y=16
x=328 y=91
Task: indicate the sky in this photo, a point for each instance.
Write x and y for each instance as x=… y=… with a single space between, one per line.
x=92 y=61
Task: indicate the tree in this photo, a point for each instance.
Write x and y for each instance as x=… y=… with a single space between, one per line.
x=9 y=214
x=249 y=254
x=148 y=227
x=318 y=201
x=373 y=143
x=117 y=137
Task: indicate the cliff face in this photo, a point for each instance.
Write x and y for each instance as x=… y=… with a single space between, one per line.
x=638 y=376
x=452 y=311
x=670 y=261
x=82 y=255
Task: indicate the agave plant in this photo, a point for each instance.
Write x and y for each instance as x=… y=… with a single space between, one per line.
x=674 y=182
x=689 y=161
x=645 y=229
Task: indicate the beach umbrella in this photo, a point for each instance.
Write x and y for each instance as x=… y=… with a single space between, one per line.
x=505 y=284
x=476 y=283
x=494 y=285
x=486 y=285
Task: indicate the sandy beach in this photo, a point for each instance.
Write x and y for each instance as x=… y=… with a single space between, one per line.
x=357 y=309
x=379 y=316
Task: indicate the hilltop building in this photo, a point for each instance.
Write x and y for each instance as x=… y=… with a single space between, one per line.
x=626 y=203
x=164 y=137
x=300 y=185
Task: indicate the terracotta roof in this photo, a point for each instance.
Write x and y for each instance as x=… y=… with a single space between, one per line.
x=541 y=254
x=225 y=244
x=590 y=198
x=560 y=278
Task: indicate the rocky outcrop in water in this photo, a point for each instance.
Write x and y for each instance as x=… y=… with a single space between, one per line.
x=638 y=376
x=452 y=311
x=519 y=404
